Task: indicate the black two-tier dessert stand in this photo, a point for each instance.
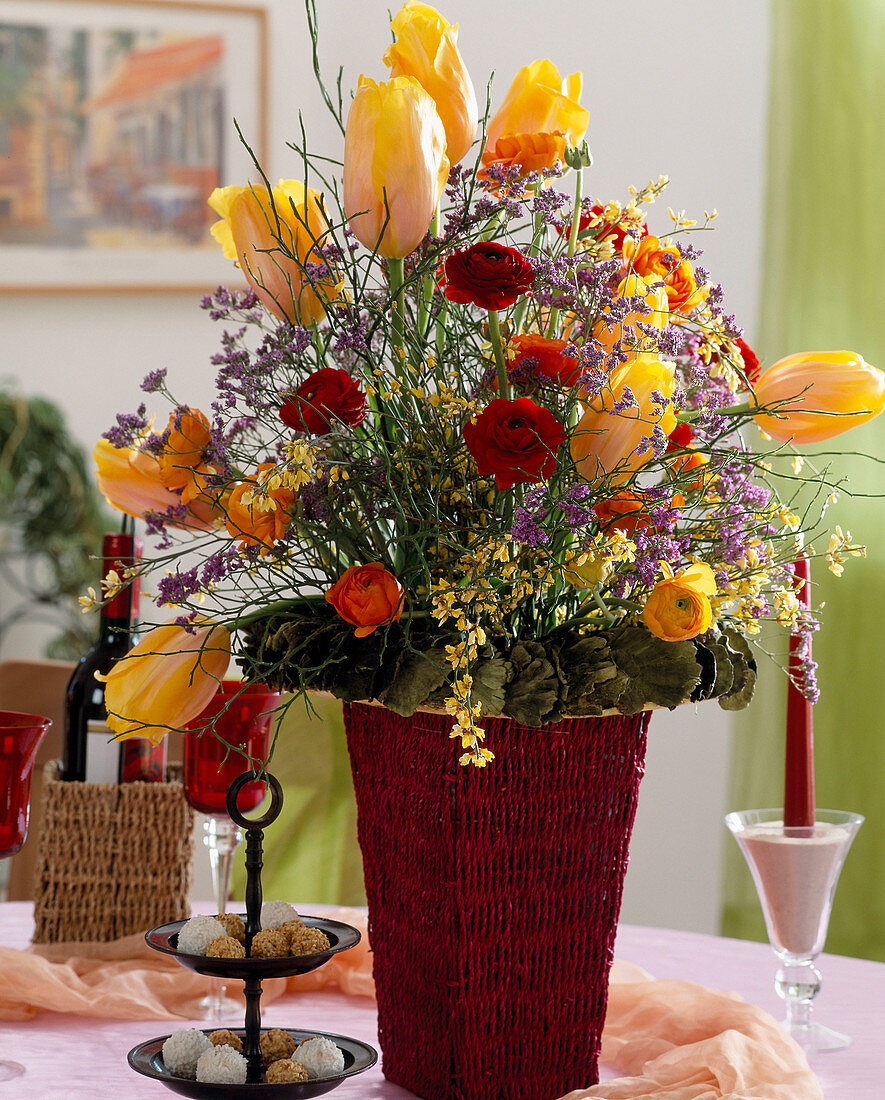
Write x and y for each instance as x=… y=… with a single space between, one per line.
x=147 y=1058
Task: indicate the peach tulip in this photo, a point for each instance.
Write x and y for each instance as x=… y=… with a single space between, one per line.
x=538 y=104
x=274 y=236
x=166 y=679
x=131 y=481
x=606 y=442
x=823 y=393
x=426 y=48
x=395 y=165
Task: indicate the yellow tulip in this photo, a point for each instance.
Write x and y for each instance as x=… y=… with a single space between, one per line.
x=166 y=680
x=132 y=482
x=395 y=164
x=426 y=48
x=538 y=101
x=605 y=442
x=679 y=605
x=825 y=393
x=273 y=244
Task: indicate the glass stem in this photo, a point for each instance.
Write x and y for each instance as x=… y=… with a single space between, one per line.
x=222 y=838
x=798 y=983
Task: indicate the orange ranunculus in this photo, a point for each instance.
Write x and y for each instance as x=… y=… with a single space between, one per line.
x=625 y=511
x=605 y=442
x=548 y=358
x=824 y=393
x=395 y=165
x=274 y=235
x=367 y=596
x=130 y=481
x=528 y=152
x=608 y=333
x=679 y=605
x=539 y=102
x=258 y=514
x=426 y=48
x=188 y=437
x=655 y=261
x=166 y=679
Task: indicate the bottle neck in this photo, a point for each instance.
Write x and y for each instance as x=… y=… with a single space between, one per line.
x=115 y=632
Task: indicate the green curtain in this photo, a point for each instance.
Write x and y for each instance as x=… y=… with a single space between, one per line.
x=311 y=852
x=824 y=248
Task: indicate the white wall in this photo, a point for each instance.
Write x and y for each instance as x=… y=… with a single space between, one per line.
x=672 y=87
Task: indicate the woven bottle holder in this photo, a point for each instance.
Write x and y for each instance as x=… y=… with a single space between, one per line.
x=114 y=859
x=493 y=896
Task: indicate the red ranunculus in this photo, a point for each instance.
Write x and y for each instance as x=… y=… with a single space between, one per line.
x=488 y=274
x=367 y=596
x=751 y=361
x=547 y=357
x=326 y=396
x=514 y=440
x=681 y=437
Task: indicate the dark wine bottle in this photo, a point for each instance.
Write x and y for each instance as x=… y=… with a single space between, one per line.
x=90 y=754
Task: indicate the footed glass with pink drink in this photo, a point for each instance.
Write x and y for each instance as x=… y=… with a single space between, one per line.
x=795 y=870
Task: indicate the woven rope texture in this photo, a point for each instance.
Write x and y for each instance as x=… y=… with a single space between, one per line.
x=493 y=896
x=114 y=859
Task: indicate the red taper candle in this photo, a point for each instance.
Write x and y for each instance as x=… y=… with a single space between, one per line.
x=799 y=763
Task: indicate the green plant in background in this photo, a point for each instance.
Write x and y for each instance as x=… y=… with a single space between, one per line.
x=51 y=523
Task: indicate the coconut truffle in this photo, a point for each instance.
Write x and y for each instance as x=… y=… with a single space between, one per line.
x=233 y=925
x=307 y=941
x=221 y=1066
x=284 y=1069
x=226 y=947
x=224 y=1037
x=275 y=1044
x=182 y=1050
x=320 y=1057
x=275 y=913
x=197 y=933
x=269 y=944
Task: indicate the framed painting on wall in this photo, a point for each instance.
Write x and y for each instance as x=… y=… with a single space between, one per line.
x=116 y=122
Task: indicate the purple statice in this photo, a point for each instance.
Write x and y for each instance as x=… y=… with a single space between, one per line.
x=526 y=528
x=129 y=430
x=155 y=380
x=576 y=509
x=177 y=587
x=220 y=565
x=656 y=442
x=351 y=331
x=688 y=251
x=225 y=303
x=654 y=546
x=626 y=401
x=548 y=203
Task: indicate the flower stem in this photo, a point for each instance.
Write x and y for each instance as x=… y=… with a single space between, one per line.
x=533 y=250
x=397 y=329
x=498 y=348
x=572 y=242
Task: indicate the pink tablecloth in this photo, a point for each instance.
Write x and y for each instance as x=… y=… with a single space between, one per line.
x=71 y=1056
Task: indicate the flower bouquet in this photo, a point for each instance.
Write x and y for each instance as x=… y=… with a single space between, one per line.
x=478 y=455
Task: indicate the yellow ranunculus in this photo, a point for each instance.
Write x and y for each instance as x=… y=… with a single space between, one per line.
x=395 y=164
x=539 y=101
x=679 y=605
x=166 y=680
x=825 y=393
x=274 y=237
x=426 y=48
x=605 y=442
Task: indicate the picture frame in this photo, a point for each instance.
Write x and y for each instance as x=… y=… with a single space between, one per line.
x=117 y=120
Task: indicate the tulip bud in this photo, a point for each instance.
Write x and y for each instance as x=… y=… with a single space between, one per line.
x=274 y=236
x=817 y=395
x=426 y=49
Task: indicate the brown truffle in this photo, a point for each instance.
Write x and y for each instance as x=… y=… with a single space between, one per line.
x=233 y=924
x=269 y=944
x=276 y=1044
x=226 y=1038
x=284 y=1069
x=225 y=947
x=308 y=941
x=291 y=928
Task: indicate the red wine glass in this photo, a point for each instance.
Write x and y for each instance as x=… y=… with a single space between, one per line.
x=20 y=737
x=230 y=736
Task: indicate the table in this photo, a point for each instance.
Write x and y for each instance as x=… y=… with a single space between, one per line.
x=72 y=1056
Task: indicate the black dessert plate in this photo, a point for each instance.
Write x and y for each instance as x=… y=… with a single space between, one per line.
x=147 y=1058
x=341 y=937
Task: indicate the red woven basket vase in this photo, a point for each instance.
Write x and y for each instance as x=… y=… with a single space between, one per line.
x=493 y=896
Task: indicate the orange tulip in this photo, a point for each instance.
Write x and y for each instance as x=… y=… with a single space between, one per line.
x=655 y=261
x=166 y=679
x=679 y=606
x=824 y=393
x=274 y=236
x=605 y=443
x=427 y=49
x=395 y=165
x=131 y=481
x=539 y=103
x=187 y=439
x=250 y=522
